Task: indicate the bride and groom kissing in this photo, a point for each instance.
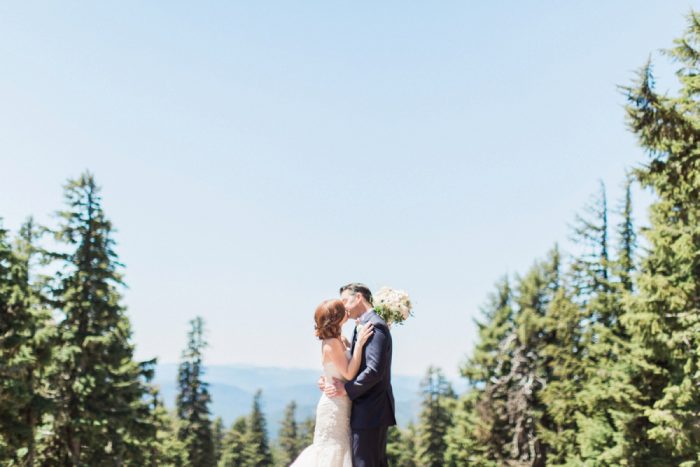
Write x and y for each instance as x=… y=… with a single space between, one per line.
x=356 y=407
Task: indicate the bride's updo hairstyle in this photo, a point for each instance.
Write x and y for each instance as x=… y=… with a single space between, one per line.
x=329 y=318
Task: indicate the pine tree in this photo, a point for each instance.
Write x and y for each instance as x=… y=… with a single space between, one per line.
x=497 y=325
x=481 y=430
x=663 y=316
x=26 y=339
x=527 y=406
x=529 y=371
x=591 y=269
x=580 y=324
x=471 y=439
x=435 y=418
x=288 y=439
x=233 y=447
x=257 y=448
x=217 y=430
x=400 y=446
x=193 y=400
x=604 y=402
x=306 y=432
x=101 y=413
x=625 y=264
x=503 y=418
x=394 y=445
x=166 y=449
x=408 y=453
x=562 y=354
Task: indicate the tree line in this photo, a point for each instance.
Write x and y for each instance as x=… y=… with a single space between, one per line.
x=593 y=357
x=588 y=358
x=71 y=392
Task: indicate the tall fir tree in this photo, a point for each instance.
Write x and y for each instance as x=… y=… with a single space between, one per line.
x=485 y=362
x=435 y=418
x=26 y=339
x=166 y=450
x=470 y=439
x=400 y=446
x=481 y=430
x=529 y=370
x=580 y=326
x=102 y=414
x=217 y=431
x=257 y=448
x=408 y=453
x=604 y=401
x=193 y=400
x=306 y=432
x=503 y=419
x=288 y=439
x=562 y=354
x=591 y=267
x=625 y=264
x=233 y=454
x=394 y=445
x=663 y=316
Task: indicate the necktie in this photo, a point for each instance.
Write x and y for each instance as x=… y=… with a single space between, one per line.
x=354 y=338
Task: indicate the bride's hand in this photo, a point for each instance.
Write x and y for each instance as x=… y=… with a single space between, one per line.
x=364 y=335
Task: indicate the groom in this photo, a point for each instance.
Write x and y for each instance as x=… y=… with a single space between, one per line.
x=370 y=391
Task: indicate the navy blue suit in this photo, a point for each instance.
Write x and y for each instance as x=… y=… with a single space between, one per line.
x=372 y=398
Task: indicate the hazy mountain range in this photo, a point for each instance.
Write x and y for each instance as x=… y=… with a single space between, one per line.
x=232 y=388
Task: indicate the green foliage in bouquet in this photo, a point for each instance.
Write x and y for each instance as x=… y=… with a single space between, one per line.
x=393 y=306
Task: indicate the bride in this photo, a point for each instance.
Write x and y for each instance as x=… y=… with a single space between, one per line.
x=331 y=446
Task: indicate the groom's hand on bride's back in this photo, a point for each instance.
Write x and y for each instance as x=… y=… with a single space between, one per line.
x=329 y=388
x=334 y=389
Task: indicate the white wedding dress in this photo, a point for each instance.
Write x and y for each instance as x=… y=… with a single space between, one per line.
x=331 y=446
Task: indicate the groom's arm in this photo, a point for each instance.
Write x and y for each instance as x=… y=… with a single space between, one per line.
x=376 y=360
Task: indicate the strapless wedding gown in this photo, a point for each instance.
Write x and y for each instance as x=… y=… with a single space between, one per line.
x=332 y=445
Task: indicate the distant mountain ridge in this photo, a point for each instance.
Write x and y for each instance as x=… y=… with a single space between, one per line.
x=232 y=388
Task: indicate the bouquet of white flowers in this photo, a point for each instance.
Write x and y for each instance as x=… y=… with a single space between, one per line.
x=394 y=306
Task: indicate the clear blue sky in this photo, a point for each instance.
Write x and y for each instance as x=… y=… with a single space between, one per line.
x=257 y=155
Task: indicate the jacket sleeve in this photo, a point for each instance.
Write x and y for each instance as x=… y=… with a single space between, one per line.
x=376 y=361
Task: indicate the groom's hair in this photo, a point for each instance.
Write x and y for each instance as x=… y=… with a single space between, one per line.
x=356 y=287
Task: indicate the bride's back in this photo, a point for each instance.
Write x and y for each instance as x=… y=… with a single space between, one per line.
x=330 y=370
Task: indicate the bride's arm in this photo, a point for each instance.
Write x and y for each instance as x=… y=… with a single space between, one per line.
x=362 y=338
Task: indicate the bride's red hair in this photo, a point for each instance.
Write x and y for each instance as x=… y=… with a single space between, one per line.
x=329 y=318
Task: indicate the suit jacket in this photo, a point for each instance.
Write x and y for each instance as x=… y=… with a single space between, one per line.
x=370 y=391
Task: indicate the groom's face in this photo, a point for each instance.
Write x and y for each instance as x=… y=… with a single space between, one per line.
x=351 y=300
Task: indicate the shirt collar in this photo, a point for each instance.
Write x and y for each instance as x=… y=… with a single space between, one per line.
x=362 y=319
